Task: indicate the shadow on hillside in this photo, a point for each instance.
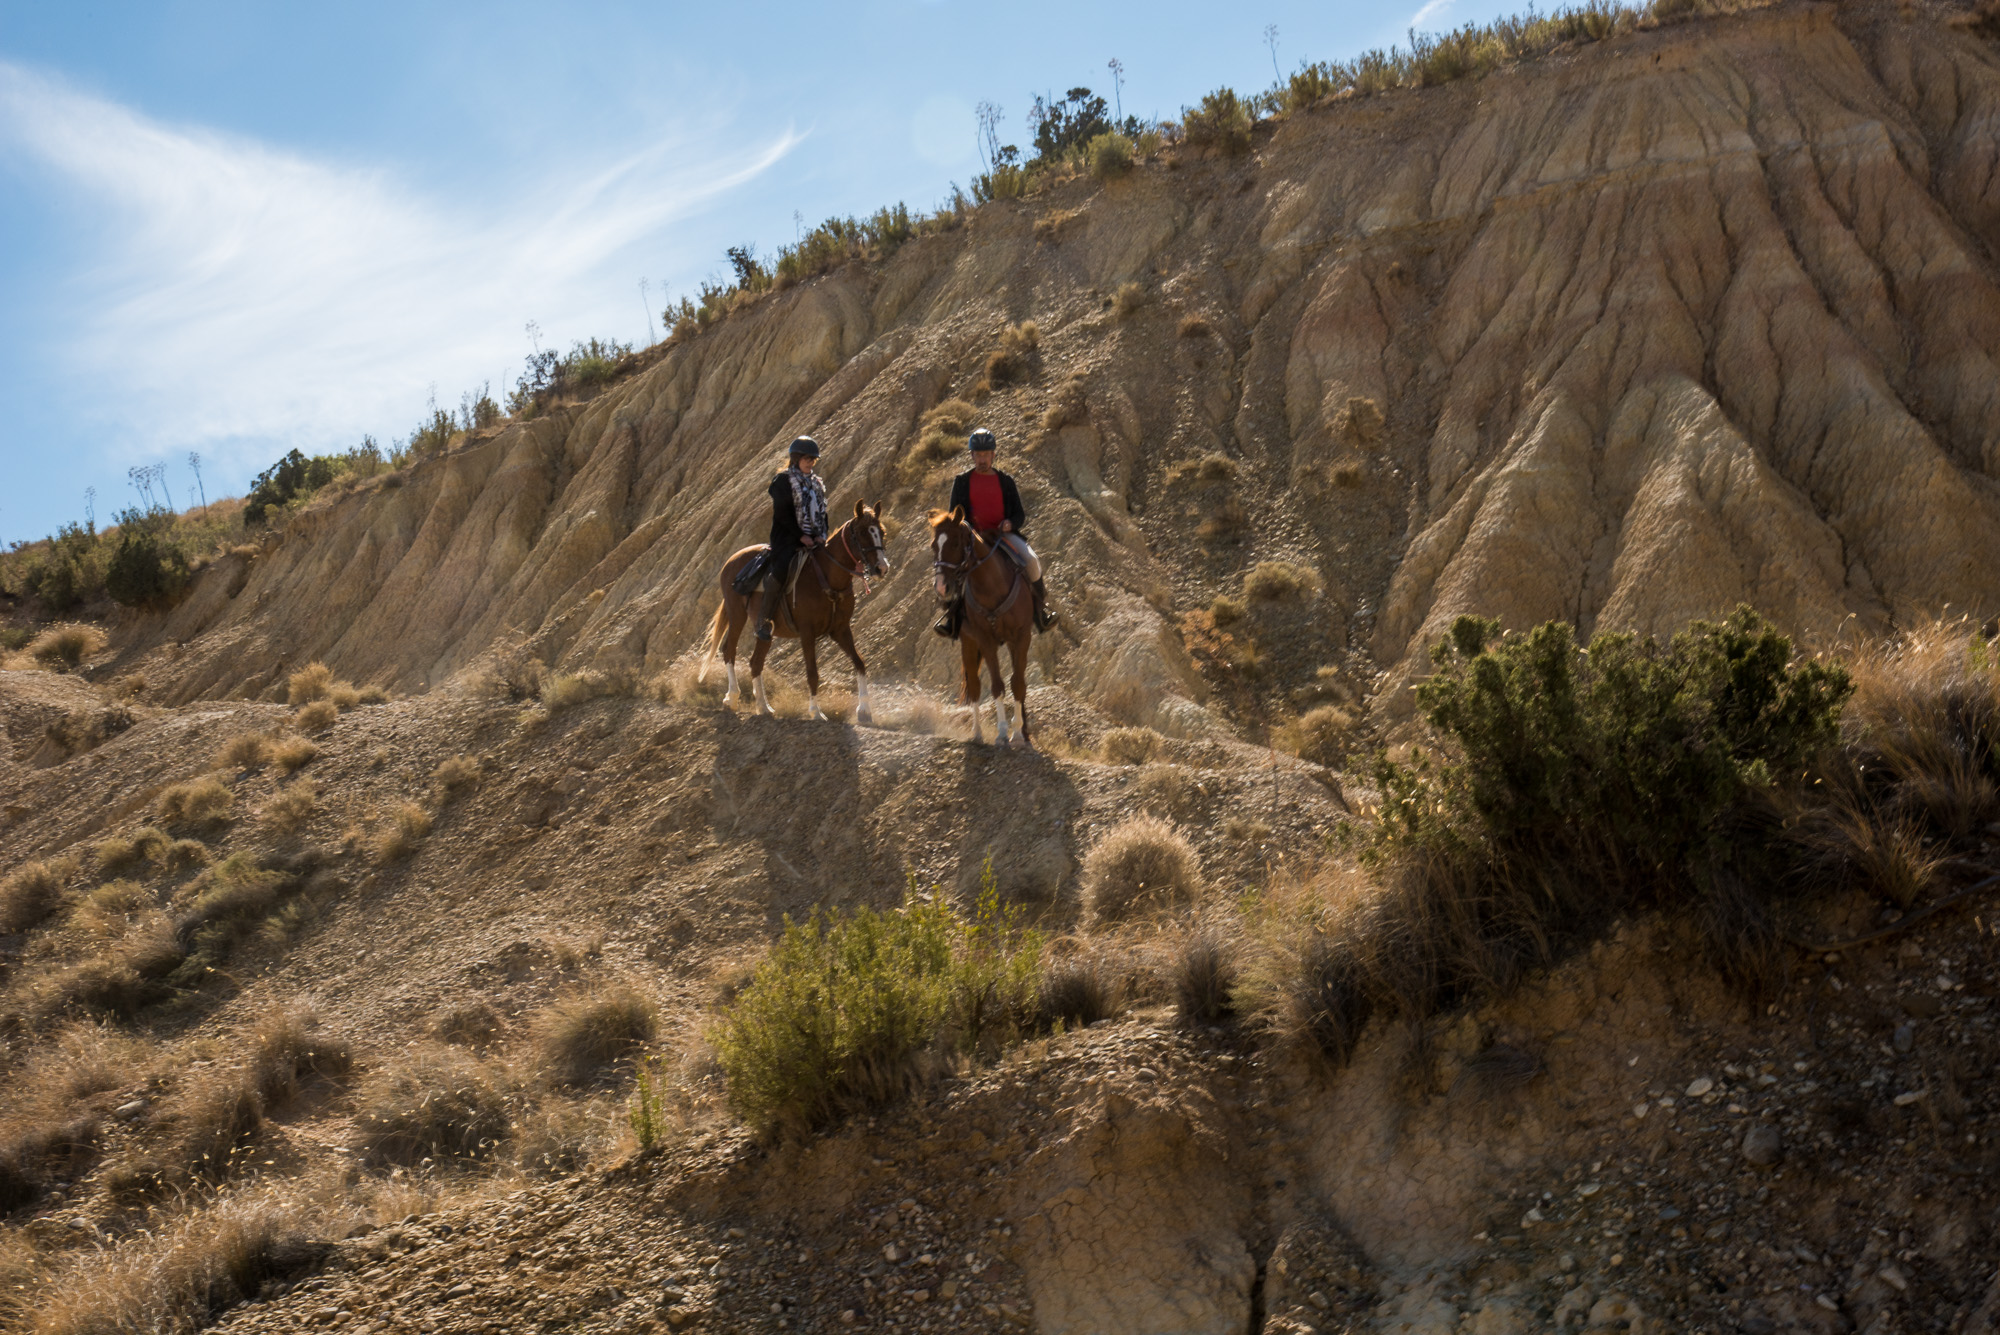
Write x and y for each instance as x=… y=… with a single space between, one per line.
x=840 y=816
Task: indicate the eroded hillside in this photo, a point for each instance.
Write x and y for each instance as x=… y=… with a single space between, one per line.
x=1699 y=316
x=399 y=1011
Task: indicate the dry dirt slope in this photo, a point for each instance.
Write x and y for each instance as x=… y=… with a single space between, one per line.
x=1702 y=315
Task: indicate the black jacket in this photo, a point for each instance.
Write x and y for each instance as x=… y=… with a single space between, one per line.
x=785 y=530
x=1010 y=498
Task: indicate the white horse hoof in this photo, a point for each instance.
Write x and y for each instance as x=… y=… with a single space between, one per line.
x=863 y=719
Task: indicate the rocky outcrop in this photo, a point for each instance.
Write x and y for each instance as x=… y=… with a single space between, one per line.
x=1627 y=335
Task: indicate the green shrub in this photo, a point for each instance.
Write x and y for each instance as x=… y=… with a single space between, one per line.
x=1221 y=122
x=852 y=1010
x=296 y=477
x=1110 y=155
x=1562 y=788
x=70 y=571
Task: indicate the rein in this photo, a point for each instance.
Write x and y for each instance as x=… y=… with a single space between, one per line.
x=961 y=573
x=840 y=536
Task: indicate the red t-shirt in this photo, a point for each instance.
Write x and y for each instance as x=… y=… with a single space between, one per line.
x=989 y=509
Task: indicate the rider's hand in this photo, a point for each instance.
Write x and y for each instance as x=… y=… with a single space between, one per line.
x=1006 y=526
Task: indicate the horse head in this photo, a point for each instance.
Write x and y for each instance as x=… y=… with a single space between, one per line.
x=870 y=549
x=955 y=549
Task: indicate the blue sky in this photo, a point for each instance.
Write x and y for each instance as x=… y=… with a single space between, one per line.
x=240 y=228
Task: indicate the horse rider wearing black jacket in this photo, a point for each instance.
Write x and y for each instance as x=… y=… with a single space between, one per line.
x=991 y=503
x=798 y=519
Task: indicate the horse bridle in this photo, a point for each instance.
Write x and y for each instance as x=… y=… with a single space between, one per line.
x=957 y=573
x=877 y=556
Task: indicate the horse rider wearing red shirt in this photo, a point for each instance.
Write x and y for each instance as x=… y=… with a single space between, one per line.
x=991 y=503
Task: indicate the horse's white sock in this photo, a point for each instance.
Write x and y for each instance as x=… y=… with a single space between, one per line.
x=762 y=703
x=729 y=692
x=812 y=705
x=861 y=707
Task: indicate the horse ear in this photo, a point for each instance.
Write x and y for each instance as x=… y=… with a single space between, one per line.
x=958 y=514
x=877 y=508
x=858 y=508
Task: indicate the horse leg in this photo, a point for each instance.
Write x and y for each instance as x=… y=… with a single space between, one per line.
x=968 y=654
x=1002 y=723
x=757 y=657
x=1017 y=649
x=809 y=648
x=863 y=715
x=732 y=631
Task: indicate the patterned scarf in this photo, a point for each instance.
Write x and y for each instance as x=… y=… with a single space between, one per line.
x=808 y=502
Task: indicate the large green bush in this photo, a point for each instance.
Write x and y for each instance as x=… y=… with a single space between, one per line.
x=148 y=568
x=851 y=1010
x=1562 y=787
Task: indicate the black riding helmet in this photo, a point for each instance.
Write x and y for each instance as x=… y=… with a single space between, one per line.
x=804 y=446
x=982 y=439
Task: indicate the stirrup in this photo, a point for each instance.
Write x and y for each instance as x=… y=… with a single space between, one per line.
x=1045 y=619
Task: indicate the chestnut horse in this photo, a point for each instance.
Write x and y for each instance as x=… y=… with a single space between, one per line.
x=821 y=603
x=998 y=610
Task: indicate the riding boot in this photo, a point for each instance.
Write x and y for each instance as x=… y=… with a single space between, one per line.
x=1043 y=617
x=773 y=592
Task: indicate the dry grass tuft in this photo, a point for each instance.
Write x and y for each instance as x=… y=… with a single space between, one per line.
x=373 y=695
x=1224 y=518
x=292 y=1052
x=1194 y=326
x=120 y=981
x=1166 y=790
x=292 y=753
x=456 y=774
x=1079 y=990
x=63 y=648
x=342 y=696
x=1279 y=581
x=33 y=893
x=1014 y=360
x=292 y=805
x=317 y=716
x=409 y=824
x=106 y=912
x=1225 y=611
x=1128 y=300
x=430 y=1102
x=1130 y=746
x=196 y=803
x=1925 y=716
x=578 y=1037
x=1140 y=862
x=942 y=431
x=919 y=714
x=1204 y=976
x=180 y=1278
x=1321 y=735
x=308 y=684
x=182 y=854
x=244 y=751
x=566 y=690
x=472 y=1025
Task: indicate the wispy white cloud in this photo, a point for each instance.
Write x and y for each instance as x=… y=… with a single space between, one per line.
x=1432 y=11
x=240 y=297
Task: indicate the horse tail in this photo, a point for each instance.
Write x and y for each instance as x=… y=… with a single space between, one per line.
x=715 y=629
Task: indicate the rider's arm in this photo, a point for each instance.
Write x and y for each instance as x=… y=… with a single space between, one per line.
x=961 y=495
x=1010 y=496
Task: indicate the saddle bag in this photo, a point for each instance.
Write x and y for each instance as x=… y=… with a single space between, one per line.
x=748 y=578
